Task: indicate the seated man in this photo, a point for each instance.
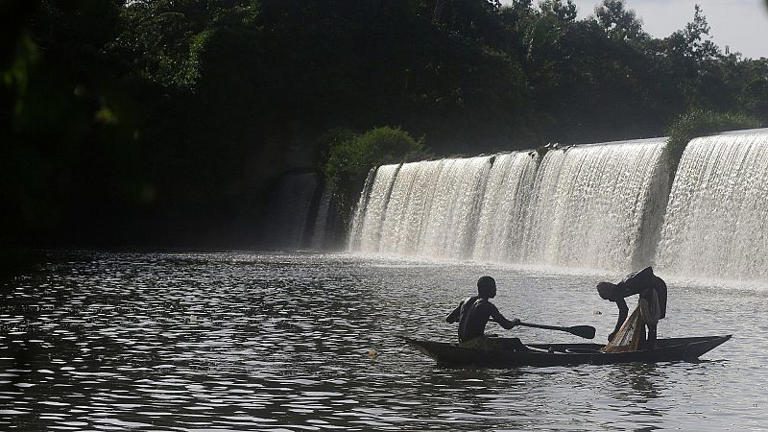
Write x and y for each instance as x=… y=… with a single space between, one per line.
x=629 y=334
x=473 y=314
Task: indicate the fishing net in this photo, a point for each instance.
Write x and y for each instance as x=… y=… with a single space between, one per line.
x=630 y=336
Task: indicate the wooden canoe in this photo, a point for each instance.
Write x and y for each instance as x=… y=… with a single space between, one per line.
x=674 y=349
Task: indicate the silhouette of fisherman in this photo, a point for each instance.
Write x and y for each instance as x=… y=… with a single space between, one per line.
x=473 y=313
x=629 y=334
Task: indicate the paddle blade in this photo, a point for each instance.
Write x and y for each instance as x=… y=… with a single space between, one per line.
x=587 y=332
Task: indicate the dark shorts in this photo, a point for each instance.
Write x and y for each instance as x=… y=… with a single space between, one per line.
x=486 y=343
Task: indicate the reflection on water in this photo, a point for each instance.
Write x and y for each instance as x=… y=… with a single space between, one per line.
x=282 y=342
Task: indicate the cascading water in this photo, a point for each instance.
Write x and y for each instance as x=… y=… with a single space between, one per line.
x=367 y=233
x=356 y=226
x=500 y=226
x=594 y=205
x=319 y=229
x=717 y=219
x=409 y=203
x=597 y=206
x=425 y=208
x=286 y=220
x=447 y=230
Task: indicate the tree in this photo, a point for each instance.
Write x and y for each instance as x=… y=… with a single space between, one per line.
x=67 y=121
x=353 y=155
x=188 y=111
x=693 y=43
x=618 y=22
x=564 y=11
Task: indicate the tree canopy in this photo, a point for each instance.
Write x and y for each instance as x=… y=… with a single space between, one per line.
x=154 y=120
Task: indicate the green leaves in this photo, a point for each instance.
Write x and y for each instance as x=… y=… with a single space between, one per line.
x=351 y=156
x=618 y=22
x=194 y=106
x=700 y=123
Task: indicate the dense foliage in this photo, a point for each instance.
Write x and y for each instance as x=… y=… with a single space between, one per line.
x=354 y=155
x=701 y=123
x=350 y=158
x=162 y=121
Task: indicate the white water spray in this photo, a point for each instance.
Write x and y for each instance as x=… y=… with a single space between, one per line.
x=500 y=227
x=594 y=205
x=717 y=219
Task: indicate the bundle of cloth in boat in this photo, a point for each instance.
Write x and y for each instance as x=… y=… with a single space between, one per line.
x=651 y=307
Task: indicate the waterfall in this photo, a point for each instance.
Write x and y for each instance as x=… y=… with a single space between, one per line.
x=285 y=221
x=320 y=227
x=356 y=226
x=594 y=205
x=424 y=208
x=602 y=206
x=450 y=192
x=500 y=226
x=372 y=218
x=409 y=204
x=717 y=219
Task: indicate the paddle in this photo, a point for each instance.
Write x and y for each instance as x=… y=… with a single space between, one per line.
x=585 y=331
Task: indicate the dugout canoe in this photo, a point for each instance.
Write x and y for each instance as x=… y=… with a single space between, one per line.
x=673 y=349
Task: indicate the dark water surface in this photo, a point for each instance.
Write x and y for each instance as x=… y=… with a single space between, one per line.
x=237 y=341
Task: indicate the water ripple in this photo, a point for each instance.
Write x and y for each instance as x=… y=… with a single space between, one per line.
x=237 y=341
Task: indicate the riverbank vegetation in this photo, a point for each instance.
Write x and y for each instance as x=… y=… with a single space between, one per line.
x=351 y=156
x=167 y=122
x=701 y=123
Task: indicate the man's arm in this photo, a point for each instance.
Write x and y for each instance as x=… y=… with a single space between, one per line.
x=499 y=318
x=623 y=311
x=454 y=316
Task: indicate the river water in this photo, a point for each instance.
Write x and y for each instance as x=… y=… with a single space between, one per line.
x=295 y=342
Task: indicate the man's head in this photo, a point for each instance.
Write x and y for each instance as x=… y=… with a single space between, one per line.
x=486 y=287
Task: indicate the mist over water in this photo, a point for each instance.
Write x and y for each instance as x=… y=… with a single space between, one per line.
x=287 y=217
x=320 y=227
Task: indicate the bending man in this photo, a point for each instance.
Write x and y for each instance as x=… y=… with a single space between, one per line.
x=629 y=334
